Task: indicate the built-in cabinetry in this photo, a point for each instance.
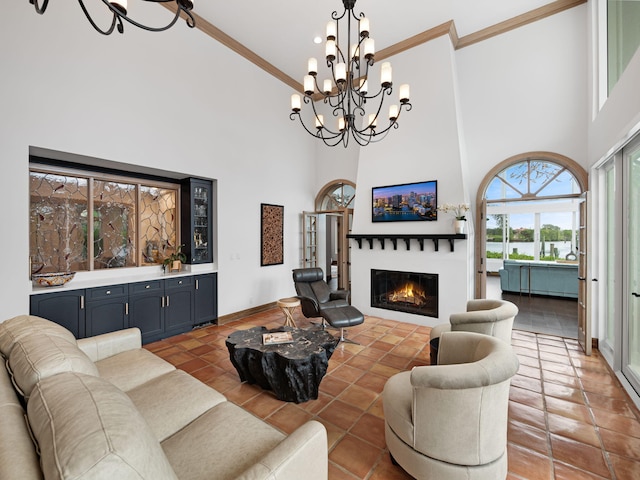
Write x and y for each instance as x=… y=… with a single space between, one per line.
x=159 y=307
x=196 y=224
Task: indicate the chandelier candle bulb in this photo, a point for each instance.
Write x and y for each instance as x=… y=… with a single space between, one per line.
x=295 y=102
x=355 y=52
x=312 y=66
x=341 y=124
x=120 y=5
x=319 y=121
x=373 y=120
x=369 y=48
x=404 y=93
x=385 y=74
x=341 y=72
x=327 y=87
x=364 y=87
x=364 y=27
x=330 y=50
x=332 y=30
x=308 y=84
x=393 y=112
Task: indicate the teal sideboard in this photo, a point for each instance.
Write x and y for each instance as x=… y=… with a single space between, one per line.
x=540 y=278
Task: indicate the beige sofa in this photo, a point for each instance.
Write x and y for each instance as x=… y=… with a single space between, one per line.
x=104 y=408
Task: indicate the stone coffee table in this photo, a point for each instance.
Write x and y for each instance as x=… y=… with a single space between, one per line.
x=292 y=370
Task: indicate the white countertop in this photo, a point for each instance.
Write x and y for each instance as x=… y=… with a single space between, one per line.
x=117 y=276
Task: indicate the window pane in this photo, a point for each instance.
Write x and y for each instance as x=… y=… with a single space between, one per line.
x=58 y=223
x=623 y=36
x=158 y=223
x=114 y=224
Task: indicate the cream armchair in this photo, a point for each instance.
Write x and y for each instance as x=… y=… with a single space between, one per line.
x=491 y=317
x=450 y=421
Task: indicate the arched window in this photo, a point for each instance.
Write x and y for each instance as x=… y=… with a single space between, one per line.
x=337 y=195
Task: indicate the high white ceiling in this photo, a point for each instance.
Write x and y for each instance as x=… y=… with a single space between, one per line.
x=282 y=31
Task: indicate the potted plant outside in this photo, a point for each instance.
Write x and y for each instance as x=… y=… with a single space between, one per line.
x=175 y=260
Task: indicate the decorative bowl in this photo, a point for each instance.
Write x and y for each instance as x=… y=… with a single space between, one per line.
x=54 y=279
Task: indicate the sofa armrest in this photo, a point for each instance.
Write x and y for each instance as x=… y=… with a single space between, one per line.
x=110 y=344
x=303 y=454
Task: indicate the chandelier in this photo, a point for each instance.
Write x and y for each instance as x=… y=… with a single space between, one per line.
x=119 y=10
x=348 y=89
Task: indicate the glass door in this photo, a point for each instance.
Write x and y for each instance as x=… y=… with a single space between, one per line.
x=310 y=240
x=631 y=302
x=584 y=327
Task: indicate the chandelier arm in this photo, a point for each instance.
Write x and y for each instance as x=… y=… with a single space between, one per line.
x=39 y=9
x=181 y=8
x=115 y=21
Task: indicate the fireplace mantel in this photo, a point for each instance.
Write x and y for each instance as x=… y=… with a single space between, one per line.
x=370 y=237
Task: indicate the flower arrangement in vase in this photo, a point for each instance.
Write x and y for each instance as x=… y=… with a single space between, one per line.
x=459 y=210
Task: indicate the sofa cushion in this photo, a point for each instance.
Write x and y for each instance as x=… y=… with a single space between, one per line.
x=39 y=356
x=132 y=368
x=240 y=440
x=16 y=328
x=18 y=457
x=89 y=429
x=172 y=401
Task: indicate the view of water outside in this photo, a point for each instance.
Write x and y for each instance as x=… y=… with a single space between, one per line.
x=526 y=248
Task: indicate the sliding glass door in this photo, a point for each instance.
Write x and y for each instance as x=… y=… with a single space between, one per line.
x=631 y=300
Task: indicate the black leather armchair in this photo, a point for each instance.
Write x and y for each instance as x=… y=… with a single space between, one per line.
x=314 y=293
x=318 y=300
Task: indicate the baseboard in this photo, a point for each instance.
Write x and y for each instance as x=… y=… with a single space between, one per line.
x=245 y=313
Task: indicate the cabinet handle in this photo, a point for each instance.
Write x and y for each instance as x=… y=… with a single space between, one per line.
x=81 y=302
x=147 y=286
x=197 y=284
x=108 y=292
x=167 y=300
x=126 y=308
x=162 y=302
x=635 y=294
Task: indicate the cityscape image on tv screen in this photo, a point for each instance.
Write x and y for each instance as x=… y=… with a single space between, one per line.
x=405 y=203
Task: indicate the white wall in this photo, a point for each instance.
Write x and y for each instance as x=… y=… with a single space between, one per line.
x=524 y=91
x=156 y=100
x=425 y=147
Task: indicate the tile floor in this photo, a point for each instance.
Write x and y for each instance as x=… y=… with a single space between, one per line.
x=540 y=314
x=568 y=416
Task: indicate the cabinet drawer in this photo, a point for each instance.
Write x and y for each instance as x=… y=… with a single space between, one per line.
x=178 y=282
x=145 y=287
x=110 y=291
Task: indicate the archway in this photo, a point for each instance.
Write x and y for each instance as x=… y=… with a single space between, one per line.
x=535 y=200
x=332 y=219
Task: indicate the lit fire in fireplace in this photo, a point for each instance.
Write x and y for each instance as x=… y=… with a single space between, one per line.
x=408 y=294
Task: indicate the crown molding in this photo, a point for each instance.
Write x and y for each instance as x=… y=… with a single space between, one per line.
x=447 y=28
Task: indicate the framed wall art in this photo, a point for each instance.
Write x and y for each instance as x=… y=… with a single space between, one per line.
x=271 y=234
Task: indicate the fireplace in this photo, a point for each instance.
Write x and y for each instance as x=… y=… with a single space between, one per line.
x=408 y=292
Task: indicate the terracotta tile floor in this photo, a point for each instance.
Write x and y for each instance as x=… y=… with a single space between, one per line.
x=569 y=418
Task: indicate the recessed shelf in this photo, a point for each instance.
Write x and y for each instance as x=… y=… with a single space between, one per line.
x=382 y=238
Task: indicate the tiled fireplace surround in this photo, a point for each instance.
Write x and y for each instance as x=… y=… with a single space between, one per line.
x=569 y=418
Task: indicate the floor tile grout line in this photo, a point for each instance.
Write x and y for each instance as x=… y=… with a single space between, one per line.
x=596 y=427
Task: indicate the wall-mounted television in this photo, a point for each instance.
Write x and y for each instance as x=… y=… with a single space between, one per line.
x=408 y=202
